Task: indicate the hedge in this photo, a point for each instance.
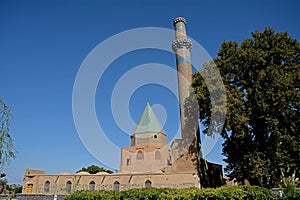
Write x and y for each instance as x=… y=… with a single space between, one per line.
x=222 y=193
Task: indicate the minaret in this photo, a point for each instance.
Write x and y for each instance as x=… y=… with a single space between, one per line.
x=182 y=47
x=184 y=161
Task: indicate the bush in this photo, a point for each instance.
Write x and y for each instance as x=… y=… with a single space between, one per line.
x=222 y=193
x=291 y=193
x=93 y=195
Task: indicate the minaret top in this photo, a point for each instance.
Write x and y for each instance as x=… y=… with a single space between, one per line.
x=179 y=19
x=181 y=42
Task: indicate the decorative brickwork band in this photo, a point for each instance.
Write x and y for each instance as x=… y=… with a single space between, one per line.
x=181 y=43
x=179 y=27
x=182 y=59
x=179 y=19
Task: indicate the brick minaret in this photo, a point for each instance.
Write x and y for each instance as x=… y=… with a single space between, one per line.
x=182 y=46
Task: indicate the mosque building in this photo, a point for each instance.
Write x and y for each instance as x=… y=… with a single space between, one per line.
x=148 y=161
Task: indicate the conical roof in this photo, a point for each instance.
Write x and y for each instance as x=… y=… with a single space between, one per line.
x=148 y=122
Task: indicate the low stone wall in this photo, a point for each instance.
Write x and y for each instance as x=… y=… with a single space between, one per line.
x=39 y=197
x=32 y=197
x=4 y=196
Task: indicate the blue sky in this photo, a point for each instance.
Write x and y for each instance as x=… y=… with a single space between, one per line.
x=43 y=44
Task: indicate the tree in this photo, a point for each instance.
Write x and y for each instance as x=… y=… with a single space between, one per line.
x=93 y=169
x=7 y=151
x=262 y=81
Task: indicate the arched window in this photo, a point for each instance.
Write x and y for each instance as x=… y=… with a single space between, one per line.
x=140 y=155
x=116 y=186
x=92 y=185
x=157 y=155
x=68 y=187
x=47 y=187
x=148 y=184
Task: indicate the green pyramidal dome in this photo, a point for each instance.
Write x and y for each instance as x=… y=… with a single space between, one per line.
x=148 y=122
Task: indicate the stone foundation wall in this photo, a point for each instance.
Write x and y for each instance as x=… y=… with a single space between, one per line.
x=31 y=197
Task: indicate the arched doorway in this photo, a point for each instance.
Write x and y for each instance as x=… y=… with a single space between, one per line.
x=29 y=188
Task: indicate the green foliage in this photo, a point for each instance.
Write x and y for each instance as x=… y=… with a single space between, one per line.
x=262 y=81
x=290 y=193
x=18 y=189
x=142 y=194
x=290 y=182
x=225 y=192
x=93 y=195
x=14 y=188
x=3 y=181
x=290 y=187
x=93 y=169
x=7 y=150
